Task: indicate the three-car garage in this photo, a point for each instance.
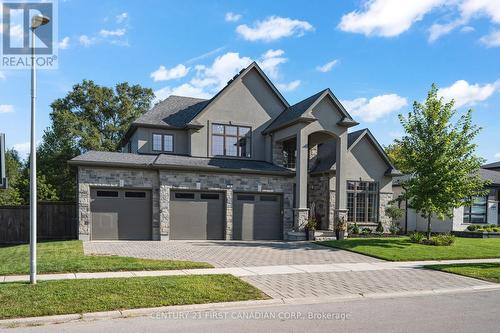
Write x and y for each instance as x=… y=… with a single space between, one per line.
x=121 y=214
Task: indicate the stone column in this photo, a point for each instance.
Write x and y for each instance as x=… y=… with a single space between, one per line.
x=301 y=210
x=84 y=212
x=164 y=212
x=229 y=214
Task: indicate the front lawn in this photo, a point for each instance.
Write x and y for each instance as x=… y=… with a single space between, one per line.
x=401 y=249
x=93 y=295
x=488 y=271
x=67 y=256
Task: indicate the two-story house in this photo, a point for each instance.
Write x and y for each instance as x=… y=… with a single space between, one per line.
x=243 y=165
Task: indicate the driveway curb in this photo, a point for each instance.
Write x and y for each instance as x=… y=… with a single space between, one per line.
x=116 y=314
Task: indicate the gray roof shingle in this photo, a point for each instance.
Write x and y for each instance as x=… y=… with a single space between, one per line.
x=174 y=111
x=493 y=165
x=178 y=162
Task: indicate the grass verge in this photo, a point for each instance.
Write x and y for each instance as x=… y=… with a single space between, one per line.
x=67 y=256
x=93 y=295
x=487 y=271
x=401 y=249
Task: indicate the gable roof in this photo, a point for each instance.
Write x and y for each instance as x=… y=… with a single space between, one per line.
x=327 y=161
x=297 y=112
x=493 y=165
x=178 y=162
x=237 y=77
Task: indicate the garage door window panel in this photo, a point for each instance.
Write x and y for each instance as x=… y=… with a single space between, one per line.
x=107 y=194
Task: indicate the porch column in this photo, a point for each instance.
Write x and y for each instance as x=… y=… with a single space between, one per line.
x=301 y=210
x=340 y=177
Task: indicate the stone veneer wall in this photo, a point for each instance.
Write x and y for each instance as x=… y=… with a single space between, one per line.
x=278 y=153
x=318 y=192
x=229 y=183
x=161 y=182
x=107 y=177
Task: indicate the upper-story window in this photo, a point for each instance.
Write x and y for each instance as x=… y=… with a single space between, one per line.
x=230 y=140
x=163 y=142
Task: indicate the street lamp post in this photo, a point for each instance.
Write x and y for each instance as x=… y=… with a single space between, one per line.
x=36 y=21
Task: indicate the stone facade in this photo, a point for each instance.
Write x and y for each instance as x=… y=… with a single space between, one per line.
x=384 y=200
x=162 y=182
x=318 y=191
x=278 y=153
x=115 y=178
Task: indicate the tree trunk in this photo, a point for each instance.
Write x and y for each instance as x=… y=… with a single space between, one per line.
x=429 y=226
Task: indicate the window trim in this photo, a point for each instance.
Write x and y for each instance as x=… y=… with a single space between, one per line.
x=162 y=142
x=366 y=193
x=469 y=214
x=224 y=135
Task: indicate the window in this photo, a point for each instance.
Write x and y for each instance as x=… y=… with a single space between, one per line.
x=289 y=153
x=184 y=195
x=168 y=143
x=107 y=194
x=362 y=201
x=135 y=194
x=157 y=142
x=209 y=196
x=163 y=142
x=246 y=197
x=477 y=212
x=229 y=140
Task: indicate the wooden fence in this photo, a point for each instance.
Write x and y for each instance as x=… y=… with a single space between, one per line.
x=56 y=221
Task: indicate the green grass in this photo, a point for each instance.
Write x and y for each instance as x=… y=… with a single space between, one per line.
x=487 y=271
x=401 y=249
x=93 y=295
x=67 y=256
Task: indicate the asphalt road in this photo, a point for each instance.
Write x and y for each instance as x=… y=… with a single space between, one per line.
x=462 y=312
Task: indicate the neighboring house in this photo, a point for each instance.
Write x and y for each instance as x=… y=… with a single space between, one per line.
x=242 y=165
x=485 y=209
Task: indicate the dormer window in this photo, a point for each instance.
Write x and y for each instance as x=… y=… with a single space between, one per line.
x=163 y=143
x=230 y=140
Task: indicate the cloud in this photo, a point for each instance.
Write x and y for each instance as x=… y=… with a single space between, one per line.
x=64 y=43
x=2 y=76
x=372 y=109
x=232 y=17
x=121 y=18
x=270 y=62
x=112 y=33
x=327 y=67
x=437 y=30
x=492 y=39
x=386 y=18
x=467 y=28
x=86 y=40
x=273 y=28
x=222 y=69
x=23 y=149
x=468 y=94
x=290 y=86
x=185 y=89
x=497 y=155
x=165 y=74
x=6 y=108
x=205 y=55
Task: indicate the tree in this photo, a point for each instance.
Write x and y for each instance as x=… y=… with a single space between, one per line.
x=90 y=117
x=393 y=150
x=11 y=196
x=44 y=190
x=441 y=157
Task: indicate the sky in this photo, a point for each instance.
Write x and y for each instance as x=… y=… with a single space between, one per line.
x=376 y=56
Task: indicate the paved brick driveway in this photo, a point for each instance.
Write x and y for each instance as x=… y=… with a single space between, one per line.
x=229 y=253
x=356 y=283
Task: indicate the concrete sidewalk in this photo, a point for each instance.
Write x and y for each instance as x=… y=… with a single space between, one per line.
x=252 y=270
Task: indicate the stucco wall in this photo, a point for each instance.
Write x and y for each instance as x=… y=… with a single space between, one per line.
x=143 y=137
x=247 y=102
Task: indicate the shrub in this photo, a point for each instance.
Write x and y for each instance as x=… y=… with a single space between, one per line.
x=416 y=237
x=439 y=240
x=354 y=228
x=380 y=228
x=394 y=228
x=311 y=224
x=497 y=229
x=395 y=213
x=473 y=227
x=366 y=231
